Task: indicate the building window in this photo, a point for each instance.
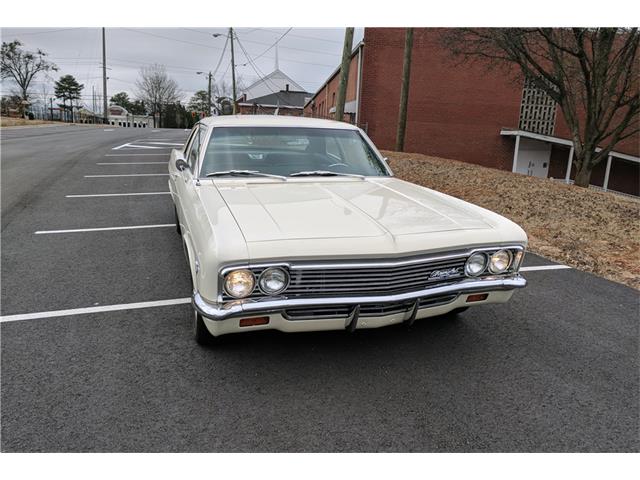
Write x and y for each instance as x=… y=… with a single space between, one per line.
x=537 y=110
x=333 y=100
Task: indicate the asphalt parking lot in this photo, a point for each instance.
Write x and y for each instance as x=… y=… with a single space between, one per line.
x=556 y=369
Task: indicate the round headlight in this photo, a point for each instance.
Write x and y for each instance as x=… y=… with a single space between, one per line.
x=476 y=264
x=239 y=283
x=273 y=280
x=500 y=261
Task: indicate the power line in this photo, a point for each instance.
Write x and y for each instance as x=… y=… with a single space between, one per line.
x=274 y=44
x=172 y=39
x=224 y=49
x=302 y=36
x=284 y=47
x=259 y=72
x=46 y=31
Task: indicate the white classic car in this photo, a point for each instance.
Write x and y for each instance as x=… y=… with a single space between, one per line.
x=298 y=224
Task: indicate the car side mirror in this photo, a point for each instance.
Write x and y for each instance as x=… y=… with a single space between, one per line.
x=182 y=165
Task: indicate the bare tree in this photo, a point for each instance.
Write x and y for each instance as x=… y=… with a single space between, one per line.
x=222 y=88
x=591 y=73
x=22 y=66
x=156 y=89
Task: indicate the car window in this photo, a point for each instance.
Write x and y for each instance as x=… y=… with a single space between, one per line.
x=202 y=135
x=187 y=144
x=194 y=150
x=289 y=150
x=333 y=148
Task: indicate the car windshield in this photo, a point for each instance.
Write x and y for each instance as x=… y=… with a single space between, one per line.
x=289 y=151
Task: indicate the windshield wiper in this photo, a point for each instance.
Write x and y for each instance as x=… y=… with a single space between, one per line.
x=324 y=173
x=244 y=172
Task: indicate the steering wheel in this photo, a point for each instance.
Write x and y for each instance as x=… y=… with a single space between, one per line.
x=339 y=164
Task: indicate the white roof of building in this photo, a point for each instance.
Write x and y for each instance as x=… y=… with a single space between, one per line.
x=274 y=121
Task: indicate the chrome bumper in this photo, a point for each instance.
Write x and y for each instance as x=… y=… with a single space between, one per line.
x=228 y=310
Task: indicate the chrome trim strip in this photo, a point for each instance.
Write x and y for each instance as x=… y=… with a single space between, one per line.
x=316 y=265
x=224 y=311
x=368 y=264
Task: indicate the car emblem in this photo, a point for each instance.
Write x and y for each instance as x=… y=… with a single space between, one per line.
x=444 y=274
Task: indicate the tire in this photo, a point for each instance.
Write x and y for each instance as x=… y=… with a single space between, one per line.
x=201 y=334
x=175 y=213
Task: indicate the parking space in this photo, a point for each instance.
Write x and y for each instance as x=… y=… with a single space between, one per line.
x=97 y=353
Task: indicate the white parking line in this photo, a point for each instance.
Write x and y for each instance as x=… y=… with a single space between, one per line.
x=103 y=308
x=544 y=267
x=134 y=154
x=130 y=175
x=116 y=194
x=103 y=229
x=132 y=145
x=132 y=163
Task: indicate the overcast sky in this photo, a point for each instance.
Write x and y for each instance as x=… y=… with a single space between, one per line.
x=307 y=55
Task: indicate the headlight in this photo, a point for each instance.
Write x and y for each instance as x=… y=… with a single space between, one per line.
x=500 y=261
x=239 y=283
x=476 y=264
x=273 y=281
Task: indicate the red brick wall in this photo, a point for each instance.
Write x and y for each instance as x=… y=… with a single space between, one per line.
x=455 y=111
x=324 y=98
x=624 y=175
x=630 y=146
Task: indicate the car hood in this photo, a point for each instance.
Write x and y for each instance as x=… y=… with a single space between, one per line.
x=351 y=217
x=342 y=209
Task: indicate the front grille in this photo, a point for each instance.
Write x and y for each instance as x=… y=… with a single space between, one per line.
x=367 y=277
x=366 y=310
x=372 y=280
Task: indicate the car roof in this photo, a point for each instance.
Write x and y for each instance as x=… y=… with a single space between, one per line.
x=274 y=121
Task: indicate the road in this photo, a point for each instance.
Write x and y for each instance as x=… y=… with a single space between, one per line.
x=556 y=369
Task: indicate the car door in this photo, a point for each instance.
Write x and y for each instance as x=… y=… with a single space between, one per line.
x=187 y=186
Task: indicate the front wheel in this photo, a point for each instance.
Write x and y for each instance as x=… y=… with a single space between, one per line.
x=175 y=212
x=200 y=332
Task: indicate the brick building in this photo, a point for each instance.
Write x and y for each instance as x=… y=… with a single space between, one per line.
x=463 y=111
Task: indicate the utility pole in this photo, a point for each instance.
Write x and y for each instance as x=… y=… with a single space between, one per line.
x=209 y=97
x=105 y=106
x=404 y=91
x=344 y=73
x=233 y=71
x=51 y=107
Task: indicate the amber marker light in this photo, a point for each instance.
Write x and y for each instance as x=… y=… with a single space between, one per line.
x=477 y=297
x=250 y=322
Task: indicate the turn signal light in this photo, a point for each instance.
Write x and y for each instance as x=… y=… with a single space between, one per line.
x=250 y=322
x=478 y=297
